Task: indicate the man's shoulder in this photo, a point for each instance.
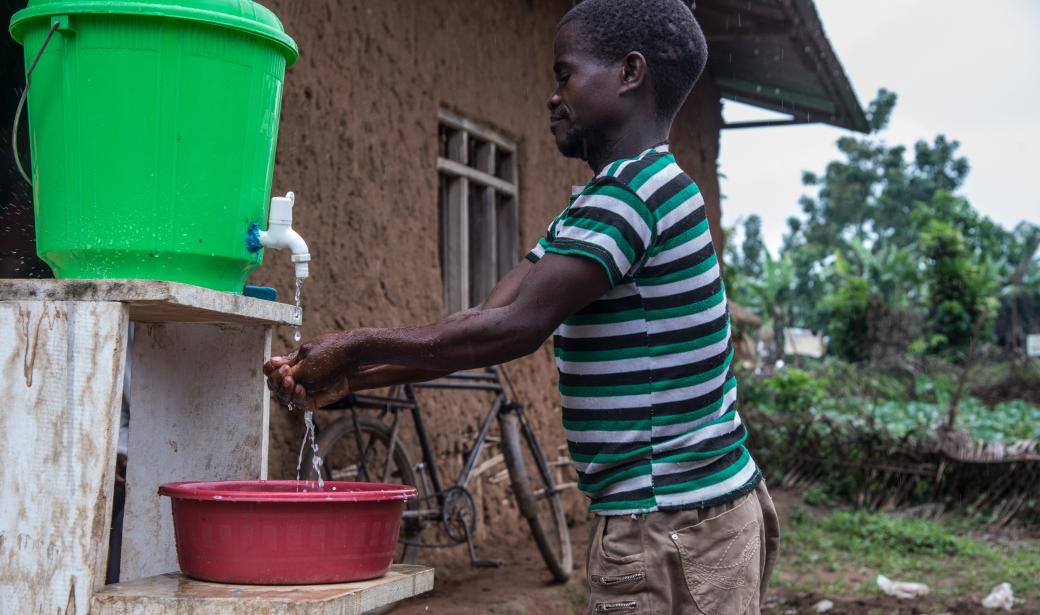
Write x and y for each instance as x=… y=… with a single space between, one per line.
x=653 y=180
x=633 y=171
x=646 y=174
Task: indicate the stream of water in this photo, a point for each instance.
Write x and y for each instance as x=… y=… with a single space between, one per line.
x=308 y=421
x=308 y=415
x=299 y=310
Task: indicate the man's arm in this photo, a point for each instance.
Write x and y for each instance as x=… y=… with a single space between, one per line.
x=553 y=289
x=514 y=322
x=383 y=375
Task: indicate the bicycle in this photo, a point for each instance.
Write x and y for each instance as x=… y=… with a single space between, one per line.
x=366 y=448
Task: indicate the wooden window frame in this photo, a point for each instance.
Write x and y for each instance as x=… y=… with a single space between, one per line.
x=490 y=181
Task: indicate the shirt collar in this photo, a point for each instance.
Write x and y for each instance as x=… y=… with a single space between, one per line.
x=659 y=148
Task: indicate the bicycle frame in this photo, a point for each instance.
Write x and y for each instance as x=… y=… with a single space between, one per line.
x=453 y=506
x=458 y=381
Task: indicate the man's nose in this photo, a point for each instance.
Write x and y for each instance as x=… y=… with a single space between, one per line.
x=554 y=101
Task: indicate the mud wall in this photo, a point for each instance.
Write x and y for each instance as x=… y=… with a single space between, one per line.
x=358 y=145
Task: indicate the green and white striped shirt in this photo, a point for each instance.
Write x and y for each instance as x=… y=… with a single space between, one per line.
x=649 y=399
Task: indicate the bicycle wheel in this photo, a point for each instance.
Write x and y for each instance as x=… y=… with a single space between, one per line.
x=536 y=494
x=342 y=460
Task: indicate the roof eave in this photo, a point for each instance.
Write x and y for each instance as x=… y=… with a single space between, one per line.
x=830 y=100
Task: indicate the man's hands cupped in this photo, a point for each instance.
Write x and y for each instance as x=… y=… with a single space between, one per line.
x=317 y=373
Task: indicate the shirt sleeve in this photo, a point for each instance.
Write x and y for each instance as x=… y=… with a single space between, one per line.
x=538 y=251
x=609 y=224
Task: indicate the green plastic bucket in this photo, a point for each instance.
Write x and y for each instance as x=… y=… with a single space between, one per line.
x=153 y=127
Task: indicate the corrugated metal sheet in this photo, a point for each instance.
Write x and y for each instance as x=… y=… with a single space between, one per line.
x=774 y=54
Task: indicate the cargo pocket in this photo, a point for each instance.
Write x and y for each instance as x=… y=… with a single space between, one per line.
x=618 y=593
x=617 y=577
x=721 y=558
x=626 y=606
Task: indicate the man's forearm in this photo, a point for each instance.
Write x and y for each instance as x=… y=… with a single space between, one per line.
x=475 y=338
x=388 y=375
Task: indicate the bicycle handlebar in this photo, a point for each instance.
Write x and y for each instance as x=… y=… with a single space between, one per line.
x=463 y=380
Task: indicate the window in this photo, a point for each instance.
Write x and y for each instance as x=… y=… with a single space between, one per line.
x=476 y=207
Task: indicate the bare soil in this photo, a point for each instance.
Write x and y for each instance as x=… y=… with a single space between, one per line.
x=522 y=585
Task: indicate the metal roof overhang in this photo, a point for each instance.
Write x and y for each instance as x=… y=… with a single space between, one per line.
x=773 y=54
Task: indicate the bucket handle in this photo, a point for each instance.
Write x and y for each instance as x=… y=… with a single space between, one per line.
x=21 y=101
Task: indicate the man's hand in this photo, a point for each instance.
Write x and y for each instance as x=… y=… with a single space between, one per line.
x=315 y=374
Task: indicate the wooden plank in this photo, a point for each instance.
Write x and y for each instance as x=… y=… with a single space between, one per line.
x=456 y=246
x=198 y=411
x=156 y=301
x=59 y=416
x=175 y=594
x=460 y=123
x=506 y=233
x=483 y=249
x=452 y=167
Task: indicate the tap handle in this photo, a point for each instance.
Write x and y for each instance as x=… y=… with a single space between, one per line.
x=281 y=209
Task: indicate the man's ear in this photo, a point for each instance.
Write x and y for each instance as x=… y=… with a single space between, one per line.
x=633 y=71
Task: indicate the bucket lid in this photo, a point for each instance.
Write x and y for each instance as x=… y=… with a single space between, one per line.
x=244 y=15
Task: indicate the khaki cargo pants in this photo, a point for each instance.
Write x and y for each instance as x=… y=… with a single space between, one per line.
x=709 y=561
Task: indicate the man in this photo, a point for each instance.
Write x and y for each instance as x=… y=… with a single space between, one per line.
x=628 y=279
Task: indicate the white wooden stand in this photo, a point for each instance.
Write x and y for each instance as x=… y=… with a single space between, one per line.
x=199 y=411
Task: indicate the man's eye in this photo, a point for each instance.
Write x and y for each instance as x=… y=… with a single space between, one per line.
x=562 y=78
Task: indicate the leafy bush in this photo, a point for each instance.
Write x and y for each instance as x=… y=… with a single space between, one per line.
x=794 y=391
x=842 y=379
x=870 y=436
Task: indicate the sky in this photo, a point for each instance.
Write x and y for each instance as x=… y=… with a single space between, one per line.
x=969 y=70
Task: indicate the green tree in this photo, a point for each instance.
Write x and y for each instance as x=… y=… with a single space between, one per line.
x=769 y=295
x=961 y=296
x=887 y=253
x=753 y=248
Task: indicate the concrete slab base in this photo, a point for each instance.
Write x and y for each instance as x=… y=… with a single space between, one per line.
x=176 y=594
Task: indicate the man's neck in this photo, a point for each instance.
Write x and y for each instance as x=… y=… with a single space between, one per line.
x=627 y=143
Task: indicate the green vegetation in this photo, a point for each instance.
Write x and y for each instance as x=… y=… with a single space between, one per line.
x=870 y=435
x=888 y=259
x=924 y=305
x=840 y=553
x=905 y=407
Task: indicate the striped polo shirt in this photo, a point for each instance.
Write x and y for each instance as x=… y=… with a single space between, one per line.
x=649 y=397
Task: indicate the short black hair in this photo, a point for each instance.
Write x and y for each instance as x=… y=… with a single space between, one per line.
x=664 y=31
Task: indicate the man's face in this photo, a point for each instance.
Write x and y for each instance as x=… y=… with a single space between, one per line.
x=585 y=101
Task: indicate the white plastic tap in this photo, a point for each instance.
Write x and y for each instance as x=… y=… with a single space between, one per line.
x=280 y=235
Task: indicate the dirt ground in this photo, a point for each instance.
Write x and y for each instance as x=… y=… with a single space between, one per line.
x=522 y=586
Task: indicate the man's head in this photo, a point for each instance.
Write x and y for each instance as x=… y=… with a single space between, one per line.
x=619 y=60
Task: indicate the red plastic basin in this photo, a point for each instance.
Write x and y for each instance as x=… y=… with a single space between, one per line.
x=285 y=532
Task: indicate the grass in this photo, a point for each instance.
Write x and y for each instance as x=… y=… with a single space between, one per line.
x=840 y=553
